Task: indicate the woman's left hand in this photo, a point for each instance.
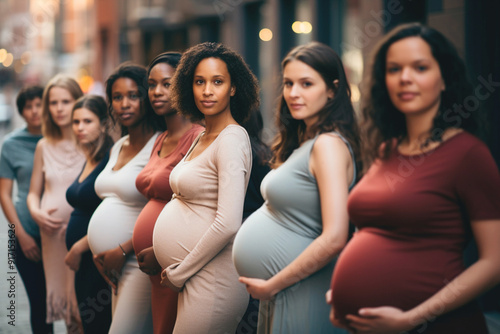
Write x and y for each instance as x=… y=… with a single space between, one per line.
x=379 y=320
x=259 y=288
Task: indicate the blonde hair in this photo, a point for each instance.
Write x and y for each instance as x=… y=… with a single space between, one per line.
x=50 y=129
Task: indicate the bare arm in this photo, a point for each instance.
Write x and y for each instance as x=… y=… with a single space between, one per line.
x=331 y=165
x=27 y=243
x=74 y=256
x=41 y=217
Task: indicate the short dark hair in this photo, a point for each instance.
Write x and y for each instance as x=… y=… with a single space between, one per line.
x=241 y=104
x=139 y=75
x=97 y=105
x=383 y=122
x=27 y=94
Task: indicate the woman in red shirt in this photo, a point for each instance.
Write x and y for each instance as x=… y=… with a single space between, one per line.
x=432 y=186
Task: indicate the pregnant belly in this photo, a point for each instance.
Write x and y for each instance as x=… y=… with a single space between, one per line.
x=263 y=247
x=62 y=208
x=111 y=224
x=144 y=226
x=178 y=229
x=376 y=269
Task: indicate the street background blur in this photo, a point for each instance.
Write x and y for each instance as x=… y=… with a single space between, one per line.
x=87 y=39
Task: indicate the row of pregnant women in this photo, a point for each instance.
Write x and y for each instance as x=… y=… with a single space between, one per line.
x=413 y=206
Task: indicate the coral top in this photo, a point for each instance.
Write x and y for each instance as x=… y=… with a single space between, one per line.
x=153 y=183
x=414 y=215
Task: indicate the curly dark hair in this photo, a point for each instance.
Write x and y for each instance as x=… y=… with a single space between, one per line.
x=383 y=123
x=241 y=104
x=139 y=75
x=336 y=115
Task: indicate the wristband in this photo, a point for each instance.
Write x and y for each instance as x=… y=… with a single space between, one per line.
x=124 y=253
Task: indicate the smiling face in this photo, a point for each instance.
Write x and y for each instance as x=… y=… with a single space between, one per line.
x=86 y=126
x=32 y=113
x=413 y=77
x=60 y=104
x=159 y=88
x=304 y=90
x=126 y=102
x=212 y=88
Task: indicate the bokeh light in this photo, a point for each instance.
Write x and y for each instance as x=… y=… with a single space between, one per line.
x=9 y=59
x=266 y=35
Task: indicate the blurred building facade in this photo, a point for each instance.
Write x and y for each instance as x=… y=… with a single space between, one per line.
x=89 y=38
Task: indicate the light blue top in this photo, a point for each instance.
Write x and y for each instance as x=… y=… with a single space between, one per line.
x=278 y=232
x=16 y=163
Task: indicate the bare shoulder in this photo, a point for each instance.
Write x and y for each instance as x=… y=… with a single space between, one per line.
x=330 y=144
x=41 y=143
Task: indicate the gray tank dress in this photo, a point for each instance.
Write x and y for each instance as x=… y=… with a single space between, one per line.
x=274 y=235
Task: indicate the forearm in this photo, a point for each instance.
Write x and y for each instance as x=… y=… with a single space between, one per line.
x=10 y=212
x=8 y=206
x=475 y=280
x=33 y=202
x=82 y=245
x=127 y=246
x=318 y=254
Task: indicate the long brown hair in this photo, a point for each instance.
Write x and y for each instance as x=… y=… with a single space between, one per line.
x=50 y=129
x=336 y=115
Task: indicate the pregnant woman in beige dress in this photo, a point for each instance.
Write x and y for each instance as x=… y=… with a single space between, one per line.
x=194 y=233
x=57 y=163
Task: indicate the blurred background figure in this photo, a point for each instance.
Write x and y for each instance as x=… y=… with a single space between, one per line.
x=16 y=165
x=91 y=123
x=57 y=162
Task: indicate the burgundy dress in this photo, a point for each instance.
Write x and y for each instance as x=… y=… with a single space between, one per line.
x=153 y=182
x=414 y=215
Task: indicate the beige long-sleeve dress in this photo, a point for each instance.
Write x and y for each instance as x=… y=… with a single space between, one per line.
x=193 y=236
x=62 y=162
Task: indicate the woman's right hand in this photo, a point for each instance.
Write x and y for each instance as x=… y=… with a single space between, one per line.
x=46 y=221
x=29 y=247
x=147 y=262
x=73 y=258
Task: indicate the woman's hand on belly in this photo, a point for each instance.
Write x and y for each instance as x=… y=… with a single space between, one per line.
x=335 y=321
x=380 y=320
x=110 y=264
x=147 y=262
x=259 y=288
x=166 y=282
x=46 y=221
